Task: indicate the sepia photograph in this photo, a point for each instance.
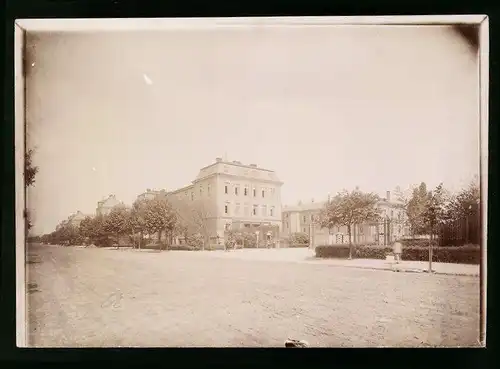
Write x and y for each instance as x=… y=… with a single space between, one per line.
x=289 y=182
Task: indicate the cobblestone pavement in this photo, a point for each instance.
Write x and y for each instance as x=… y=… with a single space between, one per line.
x=95 y=297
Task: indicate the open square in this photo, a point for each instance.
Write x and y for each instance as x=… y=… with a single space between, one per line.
x=81 y=297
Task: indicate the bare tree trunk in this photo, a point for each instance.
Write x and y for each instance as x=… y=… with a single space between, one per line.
x=467 y=229
x=430 y=251
x=141 y=240
x=159 y=239
x=350 y=241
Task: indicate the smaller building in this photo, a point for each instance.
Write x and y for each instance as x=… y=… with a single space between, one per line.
x=303 y=218
x=105 y=206
x=76 y=219
x=150 y=194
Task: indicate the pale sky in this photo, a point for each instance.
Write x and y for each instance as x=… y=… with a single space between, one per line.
x=327 y=108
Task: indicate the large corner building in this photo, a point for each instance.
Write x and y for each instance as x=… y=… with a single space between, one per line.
x=233 y=196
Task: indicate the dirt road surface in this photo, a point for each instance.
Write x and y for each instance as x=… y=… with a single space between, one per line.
x=80 y=297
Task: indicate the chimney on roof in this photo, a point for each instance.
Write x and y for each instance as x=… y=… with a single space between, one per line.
x=312 y=200
x=218 y=160
x=388 y=195
x=300 y=202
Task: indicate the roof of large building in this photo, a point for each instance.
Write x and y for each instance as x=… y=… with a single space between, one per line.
x=304 y=206
x=309 y=206
x=236 y=168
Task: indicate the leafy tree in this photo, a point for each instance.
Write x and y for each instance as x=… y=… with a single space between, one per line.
x=467 y=202
x=465 y=206
x=69 y=234
x=30 y=172
x=138 y=219
x=415 y=210
x=435 y=209
x=159 y=217
x=87 y=228
x=100 y=235
x=348 y=209
x=117 y=223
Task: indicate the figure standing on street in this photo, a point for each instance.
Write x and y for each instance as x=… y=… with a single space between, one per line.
x=397 y=249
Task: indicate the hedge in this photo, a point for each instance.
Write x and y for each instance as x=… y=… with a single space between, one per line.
x=423 y=242
x=295 y=245
x=445 y=254
x=157 y=246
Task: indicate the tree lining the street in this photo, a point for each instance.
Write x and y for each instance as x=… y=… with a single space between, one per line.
x=349 y=208
x=30 y=171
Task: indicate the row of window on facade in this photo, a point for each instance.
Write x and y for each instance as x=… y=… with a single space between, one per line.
x=246 y=210
x=246 y=190
x=236 y=191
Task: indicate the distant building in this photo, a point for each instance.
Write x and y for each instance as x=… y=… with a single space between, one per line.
x=234 y=196
x=302 y=218
x=105 y=206
x=76 y=219
x=150 y=194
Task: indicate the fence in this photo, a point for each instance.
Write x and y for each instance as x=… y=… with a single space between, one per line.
x=459 y=232
x=466 y=230
x=376 y=233
x=253 y=237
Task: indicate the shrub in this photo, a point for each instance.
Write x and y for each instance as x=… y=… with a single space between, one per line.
x=182 y=248
x=299 y=238
x=196 y=240
x=445 y=254
x=245 y=239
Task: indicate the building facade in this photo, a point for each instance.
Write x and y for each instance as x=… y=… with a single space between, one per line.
x=232 y=195
x=150 y=194
x=105 y=206
x=76 y=219
x=302 y=218
x=73 y=220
